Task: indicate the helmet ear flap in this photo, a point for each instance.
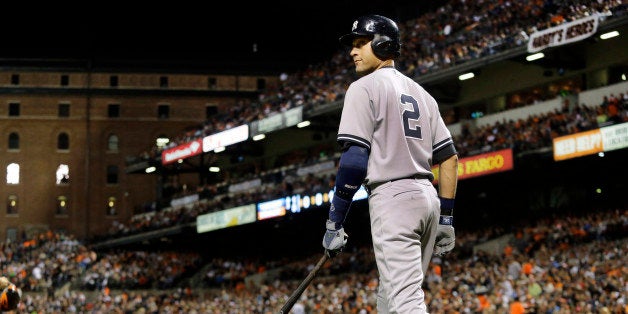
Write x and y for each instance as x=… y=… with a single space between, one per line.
x=384 y=47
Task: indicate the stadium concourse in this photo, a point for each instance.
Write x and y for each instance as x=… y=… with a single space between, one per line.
x=546 y=236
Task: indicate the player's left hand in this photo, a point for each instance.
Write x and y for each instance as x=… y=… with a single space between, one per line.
x=445 y=236
x=334 y=240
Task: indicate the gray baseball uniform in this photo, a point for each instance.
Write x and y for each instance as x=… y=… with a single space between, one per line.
x=399 y=122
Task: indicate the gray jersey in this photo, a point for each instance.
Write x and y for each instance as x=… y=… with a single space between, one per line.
x=398 y=121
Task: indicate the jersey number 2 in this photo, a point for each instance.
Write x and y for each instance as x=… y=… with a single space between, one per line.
x=413 y=115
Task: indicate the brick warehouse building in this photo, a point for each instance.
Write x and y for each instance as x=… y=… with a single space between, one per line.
x=70 y=126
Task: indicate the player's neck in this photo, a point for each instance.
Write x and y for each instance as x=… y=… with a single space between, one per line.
x=386 y=64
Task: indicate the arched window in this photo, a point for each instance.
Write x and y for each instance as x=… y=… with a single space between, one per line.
x=14 y=141
x=13 y=173
x=63 y=174
x=111 y=206
x=12 y=205
x=63 y=141
x=112 y=143
x=62 y=205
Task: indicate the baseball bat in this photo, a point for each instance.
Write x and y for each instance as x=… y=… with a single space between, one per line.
x=306 y=282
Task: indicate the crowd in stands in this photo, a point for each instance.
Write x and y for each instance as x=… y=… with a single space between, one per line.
x=457 y=32
x=567 y=263
x=534 y=132
x=538 y=131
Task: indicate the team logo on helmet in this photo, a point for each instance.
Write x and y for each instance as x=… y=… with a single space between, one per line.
x=355 y=25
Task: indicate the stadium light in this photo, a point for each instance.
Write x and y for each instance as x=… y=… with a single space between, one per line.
x=466 y=76
x=535 y=56
x=259 y=137
x=219 y=149
x=150 y=169
x=303 y=124
x=214 y=169
x=609 y=35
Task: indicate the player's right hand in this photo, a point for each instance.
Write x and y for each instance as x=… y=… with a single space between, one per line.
x=445 y=236
x=334 y=240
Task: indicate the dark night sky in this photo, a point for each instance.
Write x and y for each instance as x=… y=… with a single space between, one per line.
x=287 y=35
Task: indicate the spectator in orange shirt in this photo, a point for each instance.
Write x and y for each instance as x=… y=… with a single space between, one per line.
x=516 y=307
x=527 y=267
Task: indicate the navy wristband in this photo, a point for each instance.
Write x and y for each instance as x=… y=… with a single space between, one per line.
x=446 y=203
x=446 y=220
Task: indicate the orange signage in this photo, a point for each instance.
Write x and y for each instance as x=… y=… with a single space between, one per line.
x=483 y=164
x=579 y=144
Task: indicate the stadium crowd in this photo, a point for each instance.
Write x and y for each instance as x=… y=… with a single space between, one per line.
x=457 y=32
x=534 y=132
x=573 y=263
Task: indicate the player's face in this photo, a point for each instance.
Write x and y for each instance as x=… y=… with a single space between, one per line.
x=363 y=57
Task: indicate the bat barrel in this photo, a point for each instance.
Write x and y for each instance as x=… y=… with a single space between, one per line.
x=306 y=282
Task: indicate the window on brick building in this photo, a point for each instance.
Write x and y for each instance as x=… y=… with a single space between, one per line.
x=113 y=110
x=112 y=143
x=13 y=173
x=65 y=80
x=113 y=81
x=63 y=174
x=62 y=205
x=63 y=141
x=163 y=111
x=12 y=208
x=111 y=206
x=212 y=83
x=64 y=110
x=112 y=174
x=14 y=140
x=14 y=109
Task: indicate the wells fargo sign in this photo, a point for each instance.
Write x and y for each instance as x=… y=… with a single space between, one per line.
x=483 y=164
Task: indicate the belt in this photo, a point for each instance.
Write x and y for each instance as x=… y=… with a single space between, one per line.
x=371 y=187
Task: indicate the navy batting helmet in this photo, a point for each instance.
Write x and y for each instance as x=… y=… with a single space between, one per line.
x=383 y=32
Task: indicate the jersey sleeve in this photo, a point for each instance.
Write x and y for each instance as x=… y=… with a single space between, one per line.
x=443 y=146
x=357 y=119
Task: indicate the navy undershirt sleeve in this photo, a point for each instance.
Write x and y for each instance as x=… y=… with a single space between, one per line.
x=351 y=173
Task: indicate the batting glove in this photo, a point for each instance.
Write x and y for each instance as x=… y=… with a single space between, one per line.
x=445 y=236
x=334 y=240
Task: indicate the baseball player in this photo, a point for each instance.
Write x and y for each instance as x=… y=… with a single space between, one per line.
x=391 y=133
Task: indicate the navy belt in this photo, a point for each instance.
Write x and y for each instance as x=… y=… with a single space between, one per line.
x=373 y=186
